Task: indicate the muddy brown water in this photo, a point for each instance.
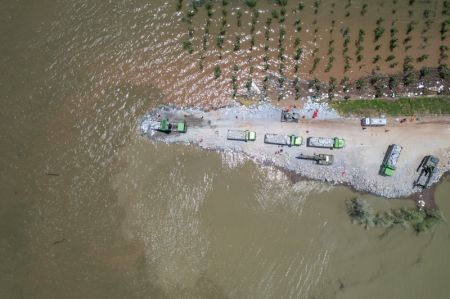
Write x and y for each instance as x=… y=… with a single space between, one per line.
x=89 y=209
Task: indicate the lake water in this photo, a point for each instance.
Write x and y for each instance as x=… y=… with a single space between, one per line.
x=89 y=209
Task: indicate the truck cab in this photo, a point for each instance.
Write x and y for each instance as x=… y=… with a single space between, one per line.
x=250 y=135
x=390 y=160
x=296 y=140
x=181 y=127
x=241 y=135
x=388 y=170
x=339 y=143
x=166 y=126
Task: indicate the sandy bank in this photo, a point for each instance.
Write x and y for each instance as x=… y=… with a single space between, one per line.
x=357 y=164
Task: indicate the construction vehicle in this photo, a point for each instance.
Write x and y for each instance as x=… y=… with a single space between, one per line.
x=289 y=140
x=241 y=135
x=324 y=142
x=166 y=126
x=427 y=169
x=321 y=159
x=390 y=160
x=288 y=115
x=373 y=122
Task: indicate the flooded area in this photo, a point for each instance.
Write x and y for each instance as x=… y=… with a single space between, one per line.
x=90 y=209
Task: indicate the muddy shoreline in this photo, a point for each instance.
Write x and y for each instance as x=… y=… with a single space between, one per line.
x=426 y=195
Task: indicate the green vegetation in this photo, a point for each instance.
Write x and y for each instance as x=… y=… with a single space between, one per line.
x=217 y=72
x=179 y=5
x=376 y=59
x=331 y=88
x=238 y=18
x=395 y=107
x=345 y=31
x=444 y=72
x=187 y=45
x=284 y=43
x=251 y=3
x=234 y=83
x=393 y=83
x=419 y=220
x=364 y=9
x=220 y=39
x=315 y=64
x=379 y=30
x=425 y=71
x=248 y=85
x=237 y=43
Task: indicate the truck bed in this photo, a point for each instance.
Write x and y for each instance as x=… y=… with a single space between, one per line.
x=392 y=155
x=321 y=142
x=277 y=139
x=236 y=135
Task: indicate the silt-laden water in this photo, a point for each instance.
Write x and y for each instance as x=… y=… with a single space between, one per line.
x=89 y=209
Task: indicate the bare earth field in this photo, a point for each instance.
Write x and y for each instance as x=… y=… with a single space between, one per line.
x=357 y=164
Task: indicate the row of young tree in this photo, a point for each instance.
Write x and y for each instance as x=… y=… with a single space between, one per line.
x=278 y=16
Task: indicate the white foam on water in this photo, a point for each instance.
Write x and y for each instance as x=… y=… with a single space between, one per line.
x=275 y=189
x=232 y=159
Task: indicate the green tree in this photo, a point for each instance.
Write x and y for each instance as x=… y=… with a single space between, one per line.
x=217 y=72
x=251 y=3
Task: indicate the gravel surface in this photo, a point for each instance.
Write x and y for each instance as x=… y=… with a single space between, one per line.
x=357 y=164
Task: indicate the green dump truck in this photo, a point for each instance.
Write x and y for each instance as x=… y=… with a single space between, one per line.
x=241 y=135
x=390 y=160
x=324 y=142
x=320 y=159
x=166 y=126
x=289 y=140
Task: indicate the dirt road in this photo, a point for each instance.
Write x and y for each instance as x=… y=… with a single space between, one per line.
x=357 y=164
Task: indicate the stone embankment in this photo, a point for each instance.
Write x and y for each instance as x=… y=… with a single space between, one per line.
x=357 y=165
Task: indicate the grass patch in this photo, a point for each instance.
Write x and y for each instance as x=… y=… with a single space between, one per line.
x=395 y=107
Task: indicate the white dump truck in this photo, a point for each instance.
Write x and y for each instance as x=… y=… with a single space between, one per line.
x=373 y=122
x=325 y=142
x=241 y=135
x=289 y=140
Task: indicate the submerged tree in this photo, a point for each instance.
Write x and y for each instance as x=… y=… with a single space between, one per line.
x=315 y=64
x=237 y=43
x=376 y=58
x=187 y=45
x=234 y=80
x=444 y=72
x=364 y=9
x=179 y=4
x=425 y=71
x=331 y=88
x=360 y=212
x=420 y=220
x=393 y=83
x=238 y=18
x=360 y=84
x=251 y=3
x=217 y=72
